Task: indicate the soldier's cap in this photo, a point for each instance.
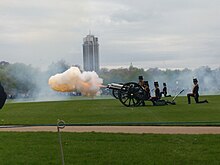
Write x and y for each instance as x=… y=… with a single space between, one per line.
x=146 y=82
x=156 y=83
x=195 y=80
x=140 y=78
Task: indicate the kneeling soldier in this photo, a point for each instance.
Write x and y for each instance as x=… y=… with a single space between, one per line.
x=195 y=93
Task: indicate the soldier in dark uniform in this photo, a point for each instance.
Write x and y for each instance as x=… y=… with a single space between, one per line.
x=141 y=83
x=157 y=93
x=195 y=93
x=145 y=86
x=156 y=100
x=3 y=96
x=147 y=89
x=164 y=92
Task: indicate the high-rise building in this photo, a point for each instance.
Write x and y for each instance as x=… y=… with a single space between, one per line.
x=90 y=53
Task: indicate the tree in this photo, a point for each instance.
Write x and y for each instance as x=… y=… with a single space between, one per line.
x=21 y=79
x=57 y=67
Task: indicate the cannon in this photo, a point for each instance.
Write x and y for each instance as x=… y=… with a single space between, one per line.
x=132 y=94
x=129 y=94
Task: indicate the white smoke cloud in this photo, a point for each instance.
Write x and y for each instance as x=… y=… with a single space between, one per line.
x=72 y=80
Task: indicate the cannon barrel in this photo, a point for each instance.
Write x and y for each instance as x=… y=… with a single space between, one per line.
x=115 y=89
x=115 y=86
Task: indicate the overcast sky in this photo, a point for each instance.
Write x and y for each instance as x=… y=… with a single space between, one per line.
x=146 y=33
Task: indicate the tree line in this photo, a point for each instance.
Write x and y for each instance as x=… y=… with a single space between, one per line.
x=176 y=80
x=21 y=80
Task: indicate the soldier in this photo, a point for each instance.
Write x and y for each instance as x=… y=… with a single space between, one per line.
x=141 y=83
x=195 y=93
x=147 y=89
x=164 y=92
x=3 y=96
x=157 y=93
x=145 y=86
x=156 y=100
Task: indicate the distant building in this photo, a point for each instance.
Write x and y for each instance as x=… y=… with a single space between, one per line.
x=90 y=53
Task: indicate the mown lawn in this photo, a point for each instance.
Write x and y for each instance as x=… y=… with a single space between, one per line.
x=105 y=148
x=108 y=110
x=101 y=148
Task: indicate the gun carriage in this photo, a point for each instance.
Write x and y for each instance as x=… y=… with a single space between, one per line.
x=129 y=94
x=132 y=94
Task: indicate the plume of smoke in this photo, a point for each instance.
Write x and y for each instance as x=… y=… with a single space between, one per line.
x=72 y=80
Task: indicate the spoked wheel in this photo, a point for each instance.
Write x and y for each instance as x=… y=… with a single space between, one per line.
x=115 y=93
x=131 y=94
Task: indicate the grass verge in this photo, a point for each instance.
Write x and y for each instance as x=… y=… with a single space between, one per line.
x=108 y=111
x=101 y=148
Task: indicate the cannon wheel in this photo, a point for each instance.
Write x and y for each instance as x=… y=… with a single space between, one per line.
x=115 y=93
x=131 y=94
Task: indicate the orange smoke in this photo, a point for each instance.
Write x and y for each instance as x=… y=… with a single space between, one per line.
x=72 y=80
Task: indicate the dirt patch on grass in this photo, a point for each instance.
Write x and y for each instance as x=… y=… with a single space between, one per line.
x=119 y=129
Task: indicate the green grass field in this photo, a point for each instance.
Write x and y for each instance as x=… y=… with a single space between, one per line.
x=108 y=110
x=102 y=149
x=107 y=148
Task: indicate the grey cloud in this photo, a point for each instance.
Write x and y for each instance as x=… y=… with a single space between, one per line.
x=131 y=15
x=151 y=33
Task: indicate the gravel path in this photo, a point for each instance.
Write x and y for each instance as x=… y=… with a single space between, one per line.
x=119 y=129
